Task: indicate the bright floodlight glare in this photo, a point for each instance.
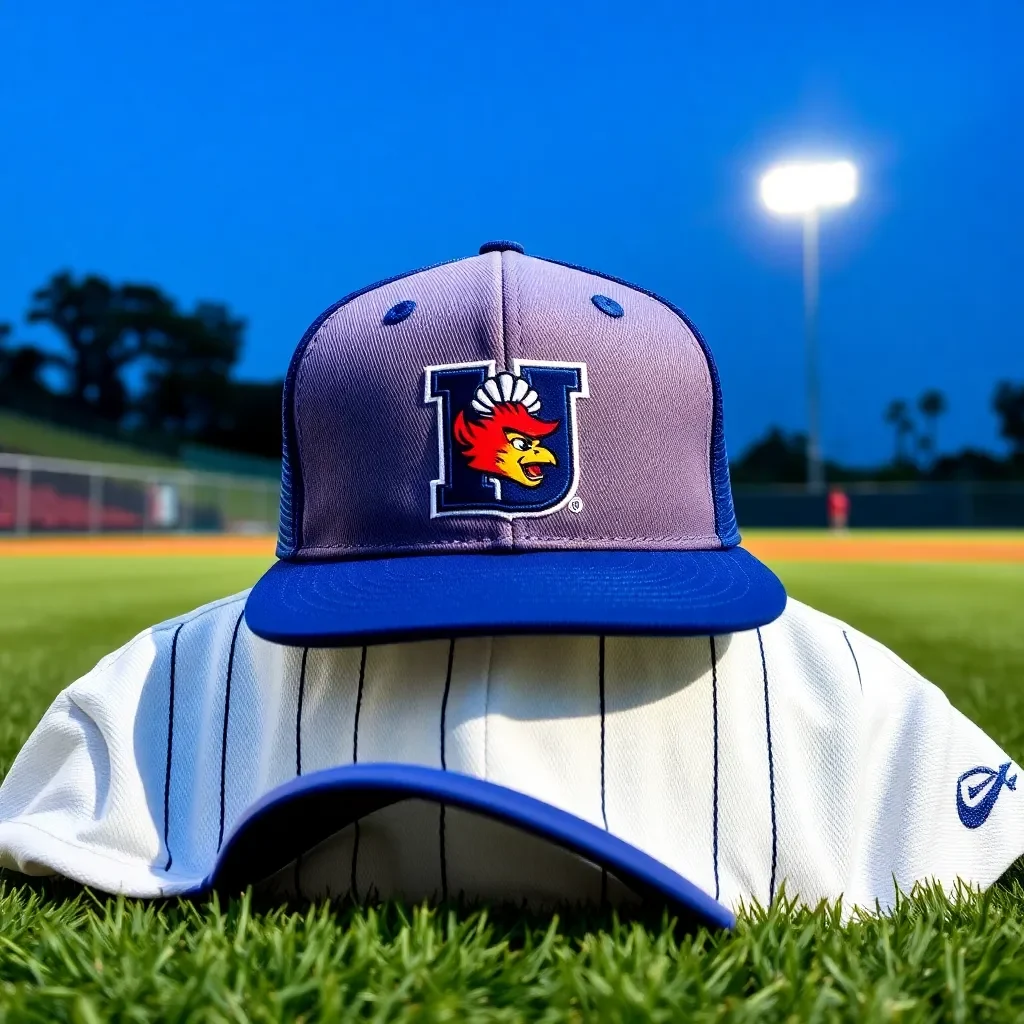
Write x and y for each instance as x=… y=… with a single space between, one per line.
x=801 y=188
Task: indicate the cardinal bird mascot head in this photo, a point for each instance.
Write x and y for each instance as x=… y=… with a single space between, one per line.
x=505 y=438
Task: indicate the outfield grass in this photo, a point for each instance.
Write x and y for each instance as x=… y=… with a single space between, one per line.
x=65 y=955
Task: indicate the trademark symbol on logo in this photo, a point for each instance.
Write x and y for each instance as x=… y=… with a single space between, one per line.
x=576 y=505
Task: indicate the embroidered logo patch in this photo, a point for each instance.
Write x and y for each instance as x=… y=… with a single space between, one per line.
x=977 y=791
x=506 y=441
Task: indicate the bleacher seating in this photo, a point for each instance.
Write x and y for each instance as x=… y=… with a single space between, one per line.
x=50 y=509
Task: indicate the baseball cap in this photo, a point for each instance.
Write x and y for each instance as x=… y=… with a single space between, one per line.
x=505 y=444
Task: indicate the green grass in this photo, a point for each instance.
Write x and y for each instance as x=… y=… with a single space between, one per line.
x=37 y=437
x=68 y=955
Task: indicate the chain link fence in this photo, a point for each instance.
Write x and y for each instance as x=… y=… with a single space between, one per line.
x=958 y=505
x=41 y=495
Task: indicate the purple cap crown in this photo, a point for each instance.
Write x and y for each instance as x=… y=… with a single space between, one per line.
x=505 y=445
x=502 y=403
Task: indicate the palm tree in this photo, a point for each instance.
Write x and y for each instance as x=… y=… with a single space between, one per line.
x=1008 y=403
x=932 y=404
x=897 y=415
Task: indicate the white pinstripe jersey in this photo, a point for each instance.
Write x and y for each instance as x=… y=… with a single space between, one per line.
x=803 y=753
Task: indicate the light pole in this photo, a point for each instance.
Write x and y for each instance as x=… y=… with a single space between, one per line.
x=805 y=189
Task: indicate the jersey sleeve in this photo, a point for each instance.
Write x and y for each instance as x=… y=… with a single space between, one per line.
x=87 y=796
x=940 y=799
x=876 y=782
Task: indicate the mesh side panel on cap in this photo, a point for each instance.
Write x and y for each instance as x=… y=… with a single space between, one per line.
x=286 y=518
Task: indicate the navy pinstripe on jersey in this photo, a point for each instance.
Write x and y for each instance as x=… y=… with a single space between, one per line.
x=224 y=734
x=771 y=768
x=355 y=760
x=298 y=712
x=170 y=750
x=856 y=664
x=604 y=809
x=444 y=766
x=714 y=771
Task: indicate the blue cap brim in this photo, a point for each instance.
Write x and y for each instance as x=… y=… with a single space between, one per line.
x=299 y=814
x=643 y=593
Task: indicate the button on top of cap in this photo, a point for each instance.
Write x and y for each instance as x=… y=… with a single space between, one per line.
x=501 y=245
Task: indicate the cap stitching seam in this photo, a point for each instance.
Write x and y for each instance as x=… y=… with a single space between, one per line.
x=510 y=527
x=504 y=313
x=441 y=545
x=514 y=528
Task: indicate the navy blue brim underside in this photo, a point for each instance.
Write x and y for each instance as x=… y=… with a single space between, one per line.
x=642 y=593
x=300 y=814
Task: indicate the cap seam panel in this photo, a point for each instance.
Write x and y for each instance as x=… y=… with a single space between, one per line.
x=297 y=490
x=732 y=537
x=514 y=528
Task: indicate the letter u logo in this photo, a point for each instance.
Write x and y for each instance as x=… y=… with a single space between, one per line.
x=507 y=442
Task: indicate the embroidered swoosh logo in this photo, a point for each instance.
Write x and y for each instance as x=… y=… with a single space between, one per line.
x=977 y=791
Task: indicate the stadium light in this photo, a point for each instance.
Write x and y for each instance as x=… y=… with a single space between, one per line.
x=804 y=189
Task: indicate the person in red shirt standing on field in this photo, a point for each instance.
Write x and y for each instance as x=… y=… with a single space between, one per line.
x=838 y=509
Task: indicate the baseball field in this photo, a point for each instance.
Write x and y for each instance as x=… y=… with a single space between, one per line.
x=950 y=604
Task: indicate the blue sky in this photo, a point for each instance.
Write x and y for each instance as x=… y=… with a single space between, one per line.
x=278 y=156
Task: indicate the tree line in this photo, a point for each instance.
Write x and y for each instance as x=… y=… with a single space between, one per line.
x=781 y=457
x=181 y=362
x=181 y=367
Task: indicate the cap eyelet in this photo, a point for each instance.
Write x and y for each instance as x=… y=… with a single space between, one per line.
x=399 y=312
x=606 y=305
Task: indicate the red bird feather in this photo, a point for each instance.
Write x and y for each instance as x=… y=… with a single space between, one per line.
x=482 y=440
